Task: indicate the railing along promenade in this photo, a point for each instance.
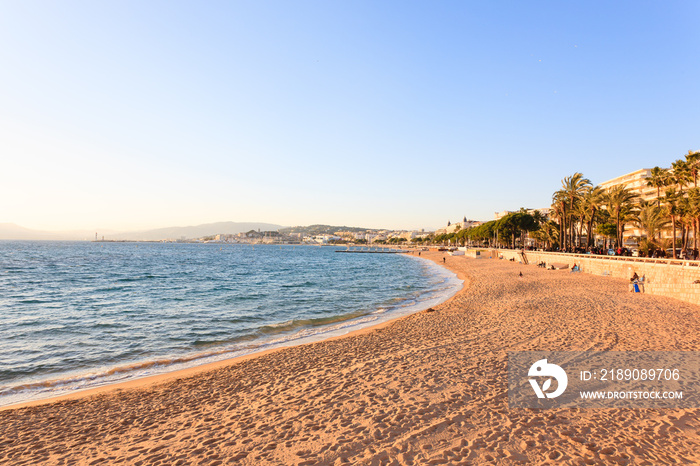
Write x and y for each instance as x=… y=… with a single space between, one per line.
x=676 y=278
x=648 y=260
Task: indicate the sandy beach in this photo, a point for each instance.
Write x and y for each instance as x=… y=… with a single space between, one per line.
x=430 y=388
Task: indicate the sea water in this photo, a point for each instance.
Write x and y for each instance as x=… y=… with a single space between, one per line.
x=78 y=315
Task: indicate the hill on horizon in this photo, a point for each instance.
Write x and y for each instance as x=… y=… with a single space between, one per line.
x=12 y=231
x=195 y=231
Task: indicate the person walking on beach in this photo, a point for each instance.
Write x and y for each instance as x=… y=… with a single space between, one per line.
x=443 y=260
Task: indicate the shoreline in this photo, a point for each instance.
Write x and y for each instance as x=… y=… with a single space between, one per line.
x=428 y=388
x=144 y=381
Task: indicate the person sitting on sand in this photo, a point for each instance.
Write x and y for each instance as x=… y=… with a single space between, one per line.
x=633 y=281
x=521 y=274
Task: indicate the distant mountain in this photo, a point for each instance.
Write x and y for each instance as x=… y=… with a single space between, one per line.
x=191 y=232
x=13 y=231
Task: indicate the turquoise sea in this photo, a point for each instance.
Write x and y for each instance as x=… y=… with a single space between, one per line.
x=77 y=315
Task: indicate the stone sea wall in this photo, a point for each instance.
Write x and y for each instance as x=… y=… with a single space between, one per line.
x=663 y=277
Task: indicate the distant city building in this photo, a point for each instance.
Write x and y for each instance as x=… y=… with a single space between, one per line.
x=454 y=227
x=501 y=214
x=345 y=234
x=544 y=212
x=635 y=182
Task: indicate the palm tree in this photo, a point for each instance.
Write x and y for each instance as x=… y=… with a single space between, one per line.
x=693 y=160
x=539 y=217
x=651 y=219
x=580 y=213
x=547 y=234
x=658 y=179
x=671 y=202
x=685 y=219
x=574 y=187
x=620 y=201
x=559 y=210
x=592 y=201
x=680 y=174
x=694 y=201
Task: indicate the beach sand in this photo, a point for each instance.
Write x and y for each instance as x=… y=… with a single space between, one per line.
x=430 y=388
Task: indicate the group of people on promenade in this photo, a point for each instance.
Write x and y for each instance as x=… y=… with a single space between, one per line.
x=684 y=254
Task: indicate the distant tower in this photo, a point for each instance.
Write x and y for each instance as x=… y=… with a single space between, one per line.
x=95 y=236
x=465 y=219
x=448 y=223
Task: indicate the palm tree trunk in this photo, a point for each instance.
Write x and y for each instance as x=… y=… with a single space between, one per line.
x=658 y=196
x=561 y=233
x=673 y=245
x=588 y=233
x=571 y=225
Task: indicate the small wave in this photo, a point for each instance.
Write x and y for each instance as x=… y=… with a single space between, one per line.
x=325 y=330
x=294 y=324
x=111 y=288
x=98 y=378
x=216 y=342
x=136 y=279
x=102 y=325
x=298 y=285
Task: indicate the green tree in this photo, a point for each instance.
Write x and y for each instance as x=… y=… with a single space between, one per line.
x=483 y=233
x=516 y=224
x=607 y=230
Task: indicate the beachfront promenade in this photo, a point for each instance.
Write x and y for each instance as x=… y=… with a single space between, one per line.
x=673 y=278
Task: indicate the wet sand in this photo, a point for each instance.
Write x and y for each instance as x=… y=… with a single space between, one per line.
x=430 y=388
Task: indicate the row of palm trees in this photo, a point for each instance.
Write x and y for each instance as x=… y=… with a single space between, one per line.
x=579 y=206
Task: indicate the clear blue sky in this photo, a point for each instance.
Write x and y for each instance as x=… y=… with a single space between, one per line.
x=128 y=114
